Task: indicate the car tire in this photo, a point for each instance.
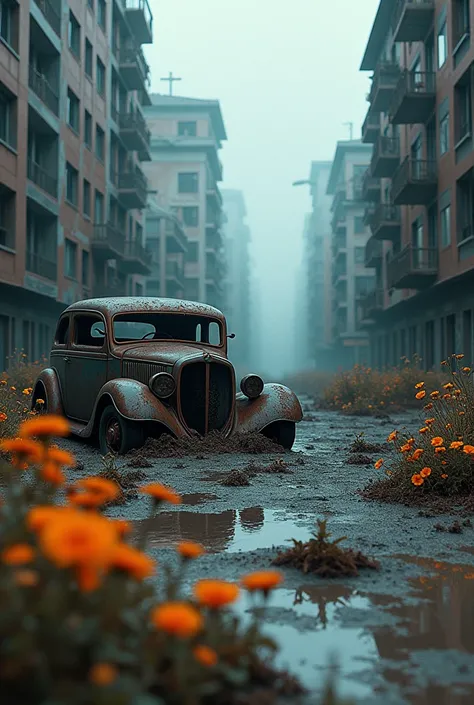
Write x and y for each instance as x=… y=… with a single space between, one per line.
x=281 y=432
x=39 y=393
x=118 y=435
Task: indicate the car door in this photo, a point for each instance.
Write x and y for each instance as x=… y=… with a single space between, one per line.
x=86 y=367
x=60 y=352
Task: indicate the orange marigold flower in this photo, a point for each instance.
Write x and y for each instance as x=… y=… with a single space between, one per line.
x=444 y=362
x=18 y=554
x=132 y=561
x=263 y=580
x=419 y=385
x=448 y=385
x=435 y=394
x=469 y=449
x=405 y=448
x=437 y=441
x=3 y=417
x=103 y=674
x=97 y=491
x=40 y=402
x=418 y=453
x=420 y=395
x=461 y=413
x=26 y=578
x=459 y=357
x=425 y=472
x=61 y=457
x=456 y=444
x=457 y=392
x=38 y=517
x=190 y=549
x=215 y=593
x=177 y=618
x=378 y=464
x=447 y=396
x=47 y=425
x=466 y=370
x=440 y=449
x=424 y=429
x=27 y=391
x=52 y=473
x=444 y=476
x=22 y=448
x=392 y=436
x=417 y=480
x=428 y=406
x=3 y=382
x=205 y=655
x=161 y=493
x=13 y=389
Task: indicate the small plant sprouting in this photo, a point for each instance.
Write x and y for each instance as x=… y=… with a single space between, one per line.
x=360 y=445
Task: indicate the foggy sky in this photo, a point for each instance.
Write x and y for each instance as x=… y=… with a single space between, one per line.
x=286 y=74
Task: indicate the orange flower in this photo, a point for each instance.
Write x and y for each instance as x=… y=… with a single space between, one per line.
x=440 y=449
x=469 y=449
x=437 y=441
x=448 y=385
x=263 y=580
x=39 y=516
x=405 y=448
x=161 y=493
x=418 y=453
x=215 y=593
x=3 y=382
x=444 y=476
x=424 y=429
x=177 y=618
x=420 y=395
x=466 y=370
x=132 y=561
x=26 y=578
x=3 y=417
x=60 y=457
x=461 y=413
x=103 y=674
x=459 y=357
x=27 y=391
x=47 y=425
x=97 y=491
x=428 y=422
x=428 y=406
x=190 y=549
x=122 y=526
x=22 y=449
x=18 y=554
x=378 y=464
x=419 y=385
x=456 y=445
x=435 y=394
x=457 y=392
x=426 y=472
x=205 y=655
x=51 y=472
x=447 y=396
x=417 y=480
x=392 y=436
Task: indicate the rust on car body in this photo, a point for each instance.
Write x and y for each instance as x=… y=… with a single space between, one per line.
x=110 y=356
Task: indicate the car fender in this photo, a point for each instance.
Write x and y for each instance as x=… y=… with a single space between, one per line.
x=276 y=403
x=136 y=402
x=48 y=379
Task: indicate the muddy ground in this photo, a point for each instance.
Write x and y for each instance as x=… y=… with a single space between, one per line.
x=402 y=635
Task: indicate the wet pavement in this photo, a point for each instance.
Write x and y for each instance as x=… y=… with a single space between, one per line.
x=402 y=636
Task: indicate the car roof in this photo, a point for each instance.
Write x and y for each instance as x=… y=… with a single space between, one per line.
x=110 y=306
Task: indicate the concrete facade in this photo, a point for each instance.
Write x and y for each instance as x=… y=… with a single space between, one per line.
x=72 y=83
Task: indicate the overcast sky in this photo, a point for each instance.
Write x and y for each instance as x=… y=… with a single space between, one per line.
x=286 y=74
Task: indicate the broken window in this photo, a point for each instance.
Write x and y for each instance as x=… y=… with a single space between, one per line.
x=89 y=331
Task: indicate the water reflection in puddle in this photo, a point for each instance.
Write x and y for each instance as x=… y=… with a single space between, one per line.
x=195 y=498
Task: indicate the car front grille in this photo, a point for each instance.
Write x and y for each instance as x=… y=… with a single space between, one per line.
x=206 y=396
x=141 y=371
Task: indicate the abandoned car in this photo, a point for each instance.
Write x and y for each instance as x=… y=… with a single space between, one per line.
x=124 y=369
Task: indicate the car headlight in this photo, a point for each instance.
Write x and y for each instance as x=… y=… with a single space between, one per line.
x=163 y=385
x=252 y=386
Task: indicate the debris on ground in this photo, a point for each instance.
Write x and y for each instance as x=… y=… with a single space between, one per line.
x=323 y=557
x=455 y=528
x=236 y=478
x=390 y=490
x=360 y=445
x=359 y=459
x=126 y=480
x=277 y=466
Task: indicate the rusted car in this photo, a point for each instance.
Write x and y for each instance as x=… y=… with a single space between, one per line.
x=124 y=369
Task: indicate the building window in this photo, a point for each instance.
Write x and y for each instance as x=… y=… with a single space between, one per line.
x=359 y=224
x=71 y=184
x=465 y=206
x=99 y=143
x=444 y=134
x=187 y=129
x=191 y=216
x=70 y=259
x=359 y=255
x=101 y=13
x=85 y=268
x=88 y=129
x=74 y=36
x=442 y=44
x=462 y=107
x=73 y=107
x=100 y=77
x=90 y=5
x=188 y=183
x=86 y=198
x=8 y=117
x=446 y=226
x=192 y=254
x=9 y=23
x=461 y=20
x=99 y=207
x=88 y=58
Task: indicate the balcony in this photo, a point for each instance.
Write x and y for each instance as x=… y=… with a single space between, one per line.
x=372 y=305
x=140 y=19
x=414 y=100
x=107 y=242
x=176 y=240
x=412 y=20
x=384 y=82
x=413 y=268
x=373 y=252
x=386 y=157
x=174 y=274
x=41 y=266
x=113 y=288
x=415 y=183
x=214 y=240
x=133 y=68
x=339 y=275
x=134 y=133
x=132 y=188
x=371 y=187
x=339 y=245
x=385 y=222
x=42 y=178
x=136 y=259
x=370 y=127
x=52 y=15
x=41 y=87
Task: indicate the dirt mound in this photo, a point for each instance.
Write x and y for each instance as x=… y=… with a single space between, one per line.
x=390 y=491
x=359 y=459
x=236 y=478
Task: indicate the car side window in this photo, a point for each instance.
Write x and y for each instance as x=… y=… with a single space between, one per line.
x=62 y=331
x=214 y=333
x=89 y=331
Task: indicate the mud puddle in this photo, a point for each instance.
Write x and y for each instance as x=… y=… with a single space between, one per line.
x=194 y=498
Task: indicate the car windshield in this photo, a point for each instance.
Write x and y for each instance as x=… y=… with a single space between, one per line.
x=167 y=326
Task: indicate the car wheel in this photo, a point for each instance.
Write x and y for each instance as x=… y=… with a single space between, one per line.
x=118 y=435
x=281 y=432
x=39 y=393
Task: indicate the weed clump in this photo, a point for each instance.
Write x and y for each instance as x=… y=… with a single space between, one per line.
x=360 y=445
x=126 y=480
x=236 y=478
x=359 y=459
x=324 y=557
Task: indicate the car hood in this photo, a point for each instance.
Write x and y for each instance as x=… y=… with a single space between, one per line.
x=166 y=354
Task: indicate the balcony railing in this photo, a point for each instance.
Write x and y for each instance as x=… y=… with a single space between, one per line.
x=384 y=82
x=412 y=20
x=136 y=259
x=112 y=288
x=415 y=182
x=373 y=252
x=133 y=188
x=134 y=68
x=371 y=127
x=371 y=187
x=415 y=98
x=41 y=266
x=109 y=240
x=174 y=271
x=42 y=178
x=134 y=132
x=51 y=14
x=372 y=303
x=41 y=87
x=385 y=222
x=175 y=233
x=140 y=19
x=339 y=244
x=386 y=156
x=413 y=268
